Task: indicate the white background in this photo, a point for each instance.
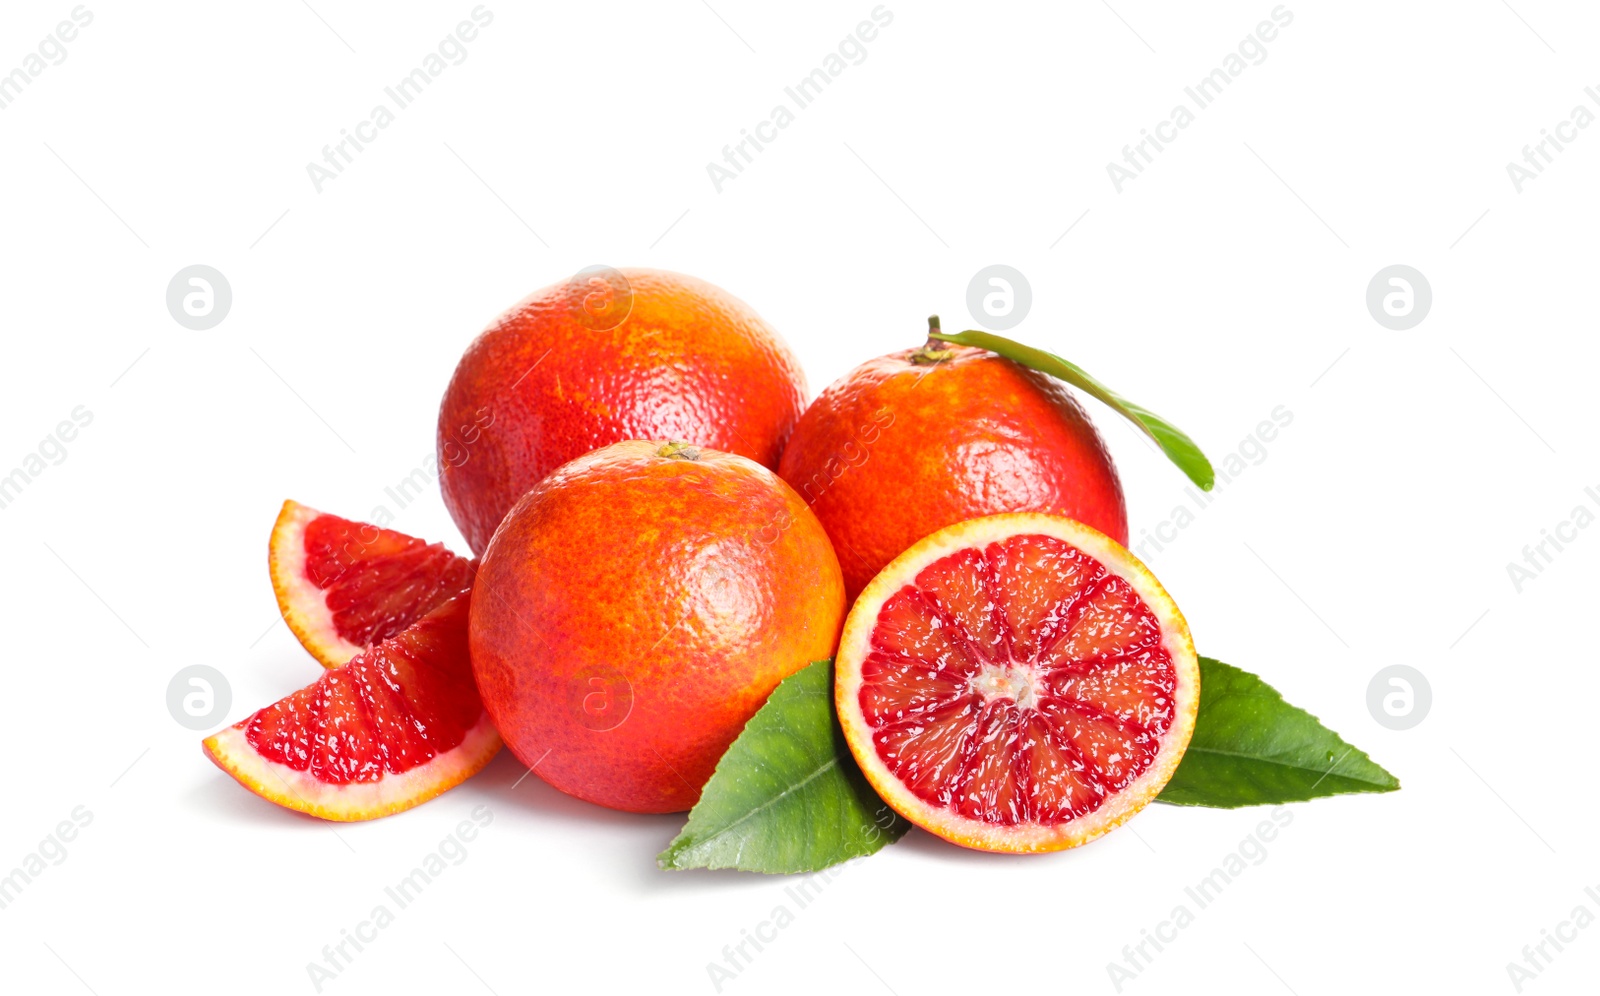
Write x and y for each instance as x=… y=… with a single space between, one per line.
x=1228 y=279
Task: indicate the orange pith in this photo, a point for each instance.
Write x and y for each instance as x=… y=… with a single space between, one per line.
x=1017 y=683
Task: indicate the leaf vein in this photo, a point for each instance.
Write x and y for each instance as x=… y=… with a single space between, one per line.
x=832 y=762
x=1283 y=764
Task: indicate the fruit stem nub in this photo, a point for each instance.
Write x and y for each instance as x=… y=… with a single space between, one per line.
x=676 y=450
x=933 y=350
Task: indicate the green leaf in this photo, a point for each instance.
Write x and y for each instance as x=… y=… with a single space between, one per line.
x=1250 y=747
x=787 y=796
x=1172 y=440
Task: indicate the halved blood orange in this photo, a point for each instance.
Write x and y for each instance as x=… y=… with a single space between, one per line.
x=1017 y=683
x=397 y=725
x=343 y=586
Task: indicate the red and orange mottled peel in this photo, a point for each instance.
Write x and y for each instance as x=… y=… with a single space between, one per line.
x=920 y=439
x=637 y=607
x=623 y=354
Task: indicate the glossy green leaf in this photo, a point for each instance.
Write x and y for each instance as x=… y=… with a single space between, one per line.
x=787 y=796
x=1250 y=747
x=1173 y=441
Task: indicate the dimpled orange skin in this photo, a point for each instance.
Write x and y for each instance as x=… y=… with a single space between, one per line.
x=897 y=449
x=689 y=586
x=542 y=385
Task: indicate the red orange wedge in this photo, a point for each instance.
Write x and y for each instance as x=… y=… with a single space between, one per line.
x=343 y=586
x=397 y=725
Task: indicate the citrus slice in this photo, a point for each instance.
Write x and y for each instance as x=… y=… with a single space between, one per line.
x=397 y=725
x=343 y=586
x=1017 y=683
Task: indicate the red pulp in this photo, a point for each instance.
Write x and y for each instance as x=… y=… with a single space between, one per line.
x=391 y=708
x=377 y=580
x=1019 y=683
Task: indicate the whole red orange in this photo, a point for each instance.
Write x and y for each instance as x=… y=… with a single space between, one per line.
x=606 y=356
x=914 y=441
x=636 y=608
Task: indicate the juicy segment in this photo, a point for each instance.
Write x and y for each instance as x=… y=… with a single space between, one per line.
x=344 y=586
x=395 y=726
x=1018 y=683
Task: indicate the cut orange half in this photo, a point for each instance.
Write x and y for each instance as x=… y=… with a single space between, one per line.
x=344 y=586
x=397 y=725
x=1017 y=683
